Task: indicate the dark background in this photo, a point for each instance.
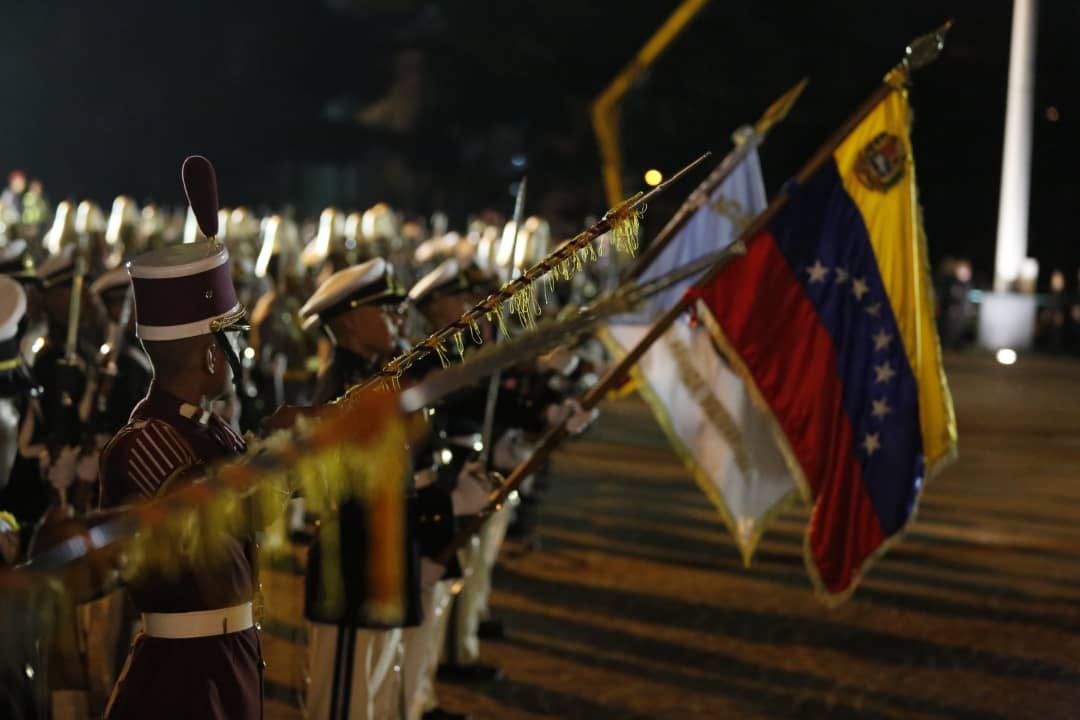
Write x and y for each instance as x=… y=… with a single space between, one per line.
x=102 y=98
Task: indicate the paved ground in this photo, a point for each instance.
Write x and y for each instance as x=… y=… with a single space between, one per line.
x=637 y=605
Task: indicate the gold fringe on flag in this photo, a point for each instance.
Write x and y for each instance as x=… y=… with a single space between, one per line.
x=620 y=227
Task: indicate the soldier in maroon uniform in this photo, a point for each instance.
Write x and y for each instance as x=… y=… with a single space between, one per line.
x=198 y=655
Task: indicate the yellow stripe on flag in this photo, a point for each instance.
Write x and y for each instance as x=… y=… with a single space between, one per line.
x=894 y=223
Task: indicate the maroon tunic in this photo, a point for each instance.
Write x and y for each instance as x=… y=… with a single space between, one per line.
x=212 y=677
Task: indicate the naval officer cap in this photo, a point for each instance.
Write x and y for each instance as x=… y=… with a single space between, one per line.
x=369 y=283
x=12 y=310
x=16 y=261
x=450 y=277
x=111 y=285
x=58 y=269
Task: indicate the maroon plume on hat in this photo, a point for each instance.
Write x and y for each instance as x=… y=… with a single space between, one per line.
x=200 y=186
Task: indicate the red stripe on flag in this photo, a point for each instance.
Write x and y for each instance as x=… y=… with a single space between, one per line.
x=769 y=321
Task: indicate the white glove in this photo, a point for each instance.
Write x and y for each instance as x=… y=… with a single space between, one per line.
x=423 y=478
x=61 y=472
x=294 y=514
x=561 y=360
x=430 y=572
x=510 y=450
x=579 y=419
x=472 y=491
x=86 y=469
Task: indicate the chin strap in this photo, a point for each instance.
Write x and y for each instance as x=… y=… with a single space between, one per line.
x=234 y=361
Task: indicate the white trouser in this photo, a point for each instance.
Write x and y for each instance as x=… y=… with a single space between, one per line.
x=422 y=646
x=375 y=685
x=477 y=561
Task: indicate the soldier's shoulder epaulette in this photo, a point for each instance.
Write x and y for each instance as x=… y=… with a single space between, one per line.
x=147 y=452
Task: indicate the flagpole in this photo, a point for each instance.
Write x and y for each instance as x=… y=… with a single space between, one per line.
x=487 y=429
x=744 y=145
x=921 y=52
x=616 y=217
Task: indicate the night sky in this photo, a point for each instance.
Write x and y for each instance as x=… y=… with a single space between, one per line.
x=107 y=98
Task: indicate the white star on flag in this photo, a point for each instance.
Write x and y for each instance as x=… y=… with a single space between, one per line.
x=817 y=272
x=882 y=340
x=871 y=443
x=884 y=373
x=841 y=275
x=859 y=287
x=881 y=408
x=874 y=310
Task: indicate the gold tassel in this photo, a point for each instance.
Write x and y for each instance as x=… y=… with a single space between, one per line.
x=440 y=349
x=495 y=316
x=521 y=304
x=459 y=344
x=625 y=226
x=538 y=307
x=474 y=331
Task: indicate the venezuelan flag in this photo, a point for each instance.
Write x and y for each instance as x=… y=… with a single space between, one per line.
x=829 y=319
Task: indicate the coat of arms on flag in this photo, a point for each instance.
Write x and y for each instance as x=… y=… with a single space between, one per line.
x=829 y=320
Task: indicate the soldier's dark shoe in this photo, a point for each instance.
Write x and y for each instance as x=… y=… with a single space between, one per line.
x=475 y=673
x=491 y=630
x=440 y=714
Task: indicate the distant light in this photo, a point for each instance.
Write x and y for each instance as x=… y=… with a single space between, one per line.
x=653 y=178
x=1006 y=356
x=518 y=160
x=105 y=348
x=1053 y=114
x=478 y=446
x=446 y=456
x=38 y=344
x=249 y=353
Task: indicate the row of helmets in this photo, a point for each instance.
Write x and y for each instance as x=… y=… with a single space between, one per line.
x=250 y=239
x=504 y=252
x=125 y=231
x=356 y=236
x=340 y=238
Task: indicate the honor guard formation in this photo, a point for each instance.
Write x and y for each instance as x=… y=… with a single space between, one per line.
x=262 y=464
x=142 y=349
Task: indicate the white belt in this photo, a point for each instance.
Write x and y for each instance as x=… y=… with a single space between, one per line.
x=204 y=623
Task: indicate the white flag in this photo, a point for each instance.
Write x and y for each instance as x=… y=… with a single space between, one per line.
x=725 y=439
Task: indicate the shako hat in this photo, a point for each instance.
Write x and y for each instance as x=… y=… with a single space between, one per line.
x=186 y=290
x=183 y=291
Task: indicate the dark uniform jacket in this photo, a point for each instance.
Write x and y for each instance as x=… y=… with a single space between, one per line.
x=211 y=677
x=429 y=522
x=55 y=424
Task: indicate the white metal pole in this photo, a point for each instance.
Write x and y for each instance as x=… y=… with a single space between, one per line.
x=1012 y=231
